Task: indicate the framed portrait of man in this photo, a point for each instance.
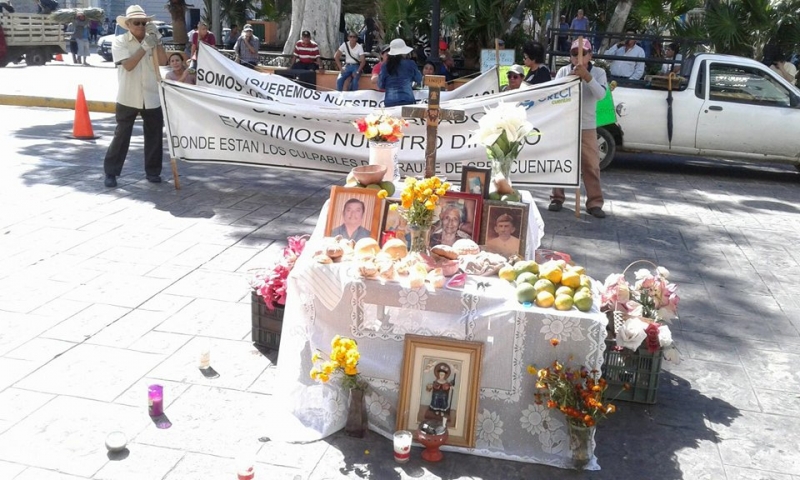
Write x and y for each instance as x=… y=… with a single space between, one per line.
x=353 y=213
x=505 y=227
x=440 y=383
x=476 y=180
x=457 y=216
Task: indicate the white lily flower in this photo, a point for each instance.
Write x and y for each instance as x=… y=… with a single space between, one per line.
x=664 y=336
x=663 y=272
x=632 y=333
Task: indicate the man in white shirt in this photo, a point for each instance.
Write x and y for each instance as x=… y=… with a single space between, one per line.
x=504 y=243
x=138 y=94
x=354 y=62
x=624 y=69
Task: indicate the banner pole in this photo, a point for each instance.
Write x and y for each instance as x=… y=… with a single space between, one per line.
x=172 y=161
x=578 y=189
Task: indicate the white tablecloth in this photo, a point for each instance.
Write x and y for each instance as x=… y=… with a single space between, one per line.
x=325 y=301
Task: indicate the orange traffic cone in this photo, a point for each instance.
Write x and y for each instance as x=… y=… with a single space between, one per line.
x=59 y=58
x=82 y=128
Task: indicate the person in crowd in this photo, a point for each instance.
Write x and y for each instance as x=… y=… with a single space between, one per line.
x=352 y=218
x=785 y=69
x=180 y=70
x=533 y=57
x=563 y=38
x=137 y=95
x=514 y=75
x=450 y=227
x=446 y=66
x=73 y=44
x=398 y=76
x=246 y=48
x=94 y=29
x=81 y=34
x=594 y=89
x=627 y=69
x=233 y=36
x=203 y=34
x=354 y=62
x=504 y=243
x=6 y=7
x=376 y=70
x=671 y=54
x=107 y=28
x=306 y=53
x=580 y=22
x=429 y=68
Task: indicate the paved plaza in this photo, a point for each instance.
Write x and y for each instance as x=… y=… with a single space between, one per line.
x=104 y=291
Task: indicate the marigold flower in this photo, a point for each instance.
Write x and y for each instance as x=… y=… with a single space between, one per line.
x=531 y=370
x=554 y=342
x=393 y=207
x=383 y=194
x=551 y=404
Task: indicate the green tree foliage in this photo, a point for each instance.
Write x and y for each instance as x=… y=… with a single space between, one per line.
x=745 y=27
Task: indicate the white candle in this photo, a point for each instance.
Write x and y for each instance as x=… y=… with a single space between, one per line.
x=402 y=446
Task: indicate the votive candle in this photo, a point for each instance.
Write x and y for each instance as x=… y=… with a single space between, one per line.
x=155 y=400
x=402 y=446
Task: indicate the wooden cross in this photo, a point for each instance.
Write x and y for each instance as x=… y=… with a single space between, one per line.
x=432 y=114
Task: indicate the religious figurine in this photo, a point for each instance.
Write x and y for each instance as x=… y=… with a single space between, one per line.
x=442 y=389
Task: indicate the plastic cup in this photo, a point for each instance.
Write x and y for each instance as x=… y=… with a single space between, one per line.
x=402 y=446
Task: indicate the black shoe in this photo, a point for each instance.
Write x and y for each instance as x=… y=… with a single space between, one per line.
x=596 y=212
x=554 y=206
x=154 y=178
x=110 y=181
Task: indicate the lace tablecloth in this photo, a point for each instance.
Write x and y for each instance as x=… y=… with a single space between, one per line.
x=326 y=300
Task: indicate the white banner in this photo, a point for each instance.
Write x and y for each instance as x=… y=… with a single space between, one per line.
x=212 y=125
x=215 y=70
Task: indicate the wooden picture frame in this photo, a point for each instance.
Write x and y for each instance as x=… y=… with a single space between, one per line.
x=457 y=364
x=393 y=225
x=347 y=197
x=476 y=180
x=470 y=209
x=491 y=241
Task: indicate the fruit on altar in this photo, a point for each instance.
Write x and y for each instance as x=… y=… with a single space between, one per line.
x=545 y=299
x=544 y=285
x=396 y=248
x=366 y=247
x=511 y=197
x=527 y=277
x=551 y=271
x=389 y=187
x=526 y=293
x=563 y=302
x=507 y=273
x=577 y=269
x=583 y=300
x=586 y=282
x=571 y=279
x=494 y=196
x=564 y=290
x=526 y=266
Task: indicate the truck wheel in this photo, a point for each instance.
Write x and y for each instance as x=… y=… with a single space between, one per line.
x=3 y=62
x=606 y=146
x=36 y=57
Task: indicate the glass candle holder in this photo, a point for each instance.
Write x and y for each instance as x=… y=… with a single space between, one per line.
x=155 y=400
x=402 y=446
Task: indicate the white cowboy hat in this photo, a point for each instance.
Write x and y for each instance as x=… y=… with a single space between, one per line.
x=398 y=47
x=134 y=12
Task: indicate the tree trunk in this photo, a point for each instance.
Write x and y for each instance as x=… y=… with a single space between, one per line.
x=319 y=18
x=617 y=24
x=177 y=10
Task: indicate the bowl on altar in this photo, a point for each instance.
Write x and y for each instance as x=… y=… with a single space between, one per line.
x=369 y=174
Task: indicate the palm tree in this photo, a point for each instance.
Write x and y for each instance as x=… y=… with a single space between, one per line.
x=177 y=10
x=745 y=27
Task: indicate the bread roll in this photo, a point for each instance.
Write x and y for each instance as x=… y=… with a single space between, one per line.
x=396 y=248
x=466 y=246
x=367 y=247
x=445 y=251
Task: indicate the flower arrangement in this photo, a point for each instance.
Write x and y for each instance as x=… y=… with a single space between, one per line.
x=418 y=200
x=640 y=309
x=575 y=392
x=270 y=283
x=381 y=128
x=343 y=360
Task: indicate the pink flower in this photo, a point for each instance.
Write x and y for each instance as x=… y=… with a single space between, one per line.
x=652 y=342
x=616 y=293
x=272 y=283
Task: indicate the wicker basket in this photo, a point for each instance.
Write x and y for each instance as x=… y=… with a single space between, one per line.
x=639 y=369
x=267 y=324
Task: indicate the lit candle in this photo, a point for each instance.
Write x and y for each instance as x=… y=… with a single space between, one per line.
x=155 y=400
x=402 y=446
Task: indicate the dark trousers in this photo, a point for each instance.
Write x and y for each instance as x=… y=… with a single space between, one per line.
x=153 y=121
x=305 y=66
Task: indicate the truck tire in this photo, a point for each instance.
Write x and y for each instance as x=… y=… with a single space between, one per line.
x=606 y=146
x=36 y=57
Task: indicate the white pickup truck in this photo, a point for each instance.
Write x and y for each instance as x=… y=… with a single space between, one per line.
x=726 y=107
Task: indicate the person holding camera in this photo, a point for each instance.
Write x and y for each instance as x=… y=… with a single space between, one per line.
x=624 y=69
x=133 y=54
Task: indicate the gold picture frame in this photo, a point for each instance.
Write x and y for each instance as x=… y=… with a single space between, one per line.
x=441 y=378
x=372 y=210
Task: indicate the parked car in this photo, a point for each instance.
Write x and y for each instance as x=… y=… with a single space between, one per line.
x=104 y=43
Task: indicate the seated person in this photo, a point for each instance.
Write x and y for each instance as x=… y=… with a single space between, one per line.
x=671 y=54
x=515 y=74
x=352 y=216
x=504 y=243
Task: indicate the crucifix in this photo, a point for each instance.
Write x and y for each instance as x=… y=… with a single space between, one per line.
x=432 y=115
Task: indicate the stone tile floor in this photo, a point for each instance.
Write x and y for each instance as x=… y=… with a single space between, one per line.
x=105 y=291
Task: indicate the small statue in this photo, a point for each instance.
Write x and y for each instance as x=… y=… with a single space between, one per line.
x=442 y=390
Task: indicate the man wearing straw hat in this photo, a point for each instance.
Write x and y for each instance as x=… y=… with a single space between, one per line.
x=137 y=95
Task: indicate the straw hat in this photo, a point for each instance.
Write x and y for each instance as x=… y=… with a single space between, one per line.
x=398 y=47
x=134 y=12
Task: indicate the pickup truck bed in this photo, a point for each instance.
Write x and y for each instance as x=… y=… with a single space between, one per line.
x=31 y=35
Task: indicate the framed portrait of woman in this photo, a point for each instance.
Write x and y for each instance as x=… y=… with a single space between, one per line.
x=475 y=180
x=457 y=216
x=505 y=227
x=440 y=383
x=353 y=213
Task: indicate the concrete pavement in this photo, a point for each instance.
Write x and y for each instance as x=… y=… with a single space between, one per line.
x=105 y=291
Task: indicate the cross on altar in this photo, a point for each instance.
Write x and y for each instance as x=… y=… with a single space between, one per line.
x=432 y=114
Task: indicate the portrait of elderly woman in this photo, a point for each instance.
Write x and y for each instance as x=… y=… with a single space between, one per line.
x=459 y=217
x=450 y=221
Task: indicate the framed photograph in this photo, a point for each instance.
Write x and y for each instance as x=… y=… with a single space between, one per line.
x=476 y=180
x=393 y=224
x=457 y=216
x=440 y=382
x=505 y=227
x=353 y=213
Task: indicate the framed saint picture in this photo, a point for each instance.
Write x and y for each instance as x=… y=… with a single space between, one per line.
x=458 y=215
x=505 y=227
x=476 y=180
x=393 y=224
x=440 y=383
x=353 y=213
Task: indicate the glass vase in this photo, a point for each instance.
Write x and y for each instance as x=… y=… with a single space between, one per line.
x=581 y=440
x=420 y=239
x=357 y=423
x=501 y=174
x=385 y=153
